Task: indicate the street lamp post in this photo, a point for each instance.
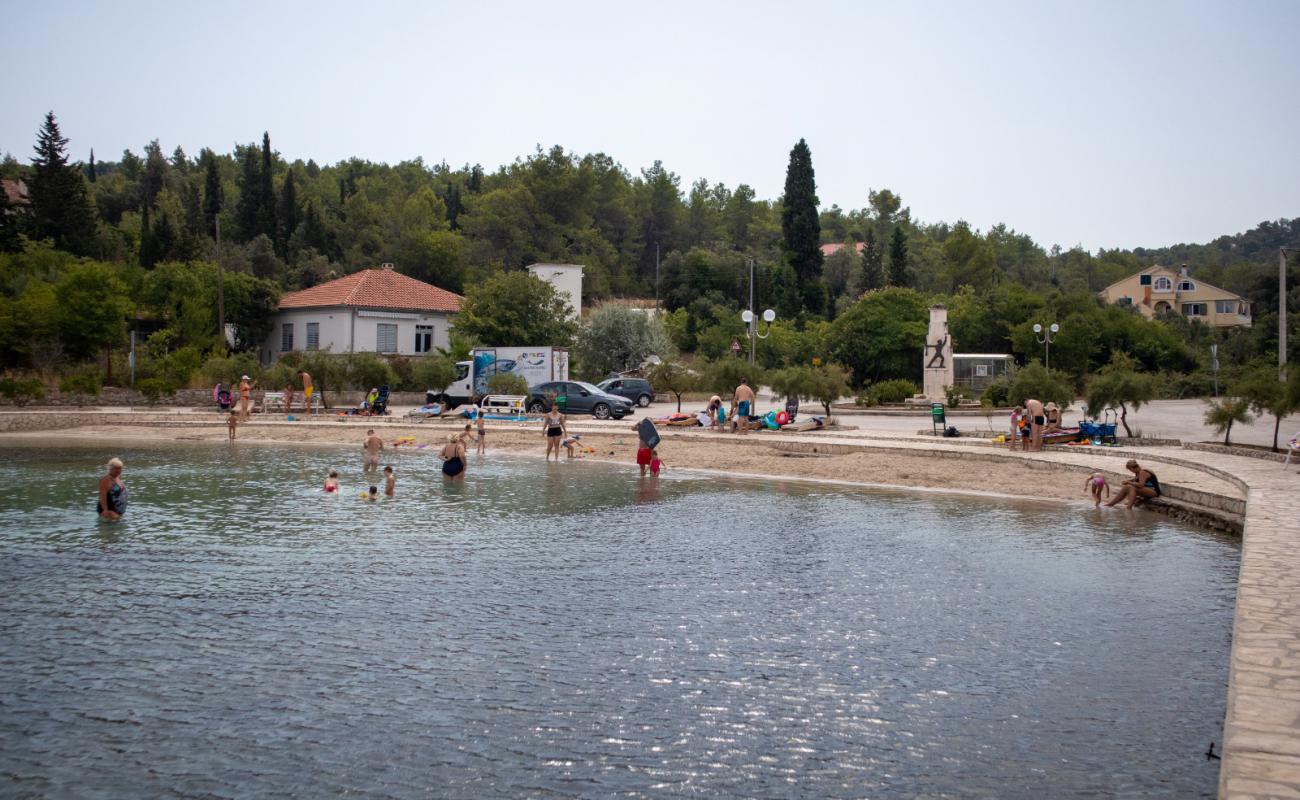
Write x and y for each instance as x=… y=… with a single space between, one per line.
x=748 y=317
x=1046 y=339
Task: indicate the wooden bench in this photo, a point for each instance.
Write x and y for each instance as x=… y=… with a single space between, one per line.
x=274 y=402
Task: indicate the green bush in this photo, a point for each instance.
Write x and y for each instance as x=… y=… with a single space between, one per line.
x=1037 y=382
x=21 y=391
x=432 y=373
x=155 y=389
x=721 y=377
x=226 y=369
x=507 y=383
x=954 y=395
x=998 y=393
x=891 y=391
x=181 y=365
x=366 y=371
x=85 y=384
x=1177 y=386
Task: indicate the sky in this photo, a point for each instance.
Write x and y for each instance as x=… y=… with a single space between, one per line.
x=1100 y=124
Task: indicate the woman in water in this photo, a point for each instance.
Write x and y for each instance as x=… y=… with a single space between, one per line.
x=112 y=493
x=332 y=483
x=1142 y=486
x=555 y=430
x=453 y=458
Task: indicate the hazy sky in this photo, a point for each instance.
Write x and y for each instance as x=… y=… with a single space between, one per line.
x=1106 y=124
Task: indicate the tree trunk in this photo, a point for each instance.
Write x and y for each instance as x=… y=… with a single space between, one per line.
x=1277 y=423
x=679 y=402
x=1123 y=419
x=1227 y=435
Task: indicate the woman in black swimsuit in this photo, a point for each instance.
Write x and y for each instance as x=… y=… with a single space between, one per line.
x=555 y=430
x=111 y=503
x=453 y=458
x=1142 y=486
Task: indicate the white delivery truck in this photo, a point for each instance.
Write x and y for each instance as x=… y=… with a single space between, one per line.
x=534 y=364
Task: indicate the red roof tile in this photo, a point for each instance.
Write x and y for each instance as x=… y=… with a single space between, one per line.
x=832 y=249
x=15 y=192
x=375 y=288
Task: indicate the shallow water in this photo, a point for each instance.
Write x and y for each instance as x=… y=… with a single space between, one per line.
x=572 y=630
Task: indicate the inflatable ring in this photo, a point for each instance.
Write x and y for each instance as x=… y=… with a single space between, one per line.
x=782 y=418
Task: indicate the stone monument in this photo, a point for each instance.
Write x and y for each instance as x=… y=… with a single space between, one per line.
x=937 y=359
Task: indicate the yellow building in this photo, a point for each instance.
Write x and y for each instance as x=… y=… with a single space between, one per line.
x=1159 y=290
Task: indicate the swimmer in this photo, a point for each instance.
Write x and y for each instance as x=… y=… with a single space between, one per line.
x=390 y=481
x=656 y=463
x=1095 y=484
x=372 y=446
x=112 y=493
x=554 y=429
x=467 y=435
x=453 y=458
x=373 y=494
x=332 y=483
x=231 y=423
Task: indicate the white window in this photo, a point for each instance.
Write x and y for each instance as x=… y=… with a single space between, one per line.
x=313 y=335
x=1193 y=309
x=286 y=337
x=424 y=338
x=1186 y=286
x=386 y=337
x=1225 y=306
x=981 y=370
x=1163 y=284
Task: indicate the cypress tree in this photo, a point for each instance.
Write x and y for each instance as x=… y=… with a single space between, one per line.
x=213 y=194
x=247 y=209
x=90 y=173
x=288 y=213
x=899 y=275
x=800 y=226
x=314 y=234
x=873 y=263
x=475 y=183
x=148 y=253
x=454 y=205
x=60 y=204
x=266 y=192
x=155 y=172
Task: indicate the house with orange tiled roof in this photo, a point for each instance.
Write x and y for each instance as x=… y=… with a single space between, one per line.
x=371 y=311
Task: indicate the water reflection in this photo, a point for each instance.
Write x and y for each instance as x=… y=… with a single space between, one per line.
x=572 y=629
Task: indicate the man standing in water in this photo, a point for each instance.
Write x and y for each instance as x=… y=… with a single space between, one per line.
x=1037 y=419
x=743 y=400
x=372 y=446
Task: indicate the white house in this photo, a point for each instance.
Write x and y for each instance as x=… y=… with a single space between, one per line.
x=371 y=311
x=567 y=280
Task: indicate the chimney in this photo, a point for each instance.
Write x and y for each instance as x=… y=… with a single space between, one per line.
x=1182 y=271
x=388 y=265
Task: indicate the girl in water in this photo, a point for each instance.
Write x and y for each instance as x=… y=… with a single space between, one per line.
x=453 y=458
x=332 y=483
x=1095 y=483
x=555 y=430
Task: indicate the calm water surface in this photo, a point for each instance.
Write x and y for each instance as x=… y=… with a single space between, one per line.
x=571 y=630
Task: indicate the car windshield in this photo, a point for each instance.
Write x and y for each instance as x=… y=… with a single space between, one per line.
x=604 y=385
x=589 y=387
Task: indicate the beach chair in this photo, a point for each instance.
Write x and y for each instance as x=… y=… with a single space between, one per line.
x=272 y=401
x=380 y=406
x=1291 y=448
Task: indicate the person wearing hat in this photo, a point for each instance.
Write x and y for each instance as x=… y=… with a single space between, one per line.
x=112 y=493
x=245 y=398
x=1053 y=418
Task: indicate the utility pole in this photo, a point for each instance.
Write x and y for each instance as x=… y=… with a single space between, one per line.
x=1281 y=312
x=656 y=276
x=221 y=291
x=753 y=323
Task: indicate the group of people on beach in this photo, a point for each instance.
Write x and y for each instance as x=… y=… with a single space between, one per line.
x=1029 y=422
x=740 y=414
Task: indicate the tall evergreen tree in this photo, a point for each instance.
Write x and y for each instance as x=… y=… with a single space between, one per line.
x=873 y=263
x=148 y=252
x=475 y=182
x=90 y=171
x=180 y=161
x=60 y=204
x=247 y=210
x=800 y=226
x=155 y=172
x=454 y=205
x=899 y=274
x=288 y=216
x=314 y=234
x=266 y=192
x=213 y=194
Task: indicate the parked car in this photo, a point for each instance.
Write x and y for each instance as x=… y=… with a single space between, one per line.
x=578 y=398
x=638 y=390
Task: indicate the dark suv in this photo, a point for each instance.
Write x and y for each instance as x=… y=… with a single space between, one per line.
x=638 y=390
x=578 y=398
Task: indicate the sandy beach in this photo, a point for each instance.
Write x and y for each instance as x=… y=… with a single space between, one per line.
x=753 y=455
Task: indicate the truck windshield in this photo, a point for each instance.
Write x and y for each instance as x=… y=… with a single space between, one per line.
x=462 y=371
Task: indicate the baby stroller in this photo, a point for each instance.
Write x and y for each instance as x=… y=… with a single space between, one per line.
x=380 y=406
x=225 y=400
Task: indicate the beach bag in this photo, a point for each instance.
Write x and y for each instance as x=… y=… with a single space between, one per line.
x=950 y=432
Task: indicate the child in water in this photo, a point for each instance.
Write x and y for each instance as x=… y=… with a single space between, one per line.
x=232 y=423
x=332 y=483
x=1096 y=483
x=390 y=481
x=656 y=463
x=374 y=494
x=571 y=442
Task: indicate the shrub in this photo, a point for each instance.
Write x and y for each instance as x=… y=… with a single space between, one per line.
x=1222 y=413
x=998 y=393
x=181 y=365
x=155 y=389
x=954 y=395
x=84 y=384
x=1037 y=382
x=367 y=371
x=432 y=373
x=21 y=391
x=1177 y=386
x=507 y=383
x=226 y=369
x=891 y=391
x=825 y=384
x=721 y=377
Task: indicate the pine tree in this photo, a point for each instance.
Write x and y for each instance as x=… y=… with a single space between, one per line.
x=60 y=204
x=247 y=209
x=148 y=252
x=475 y=183
x=899 y=275
x=213 y=194
x=180 y=161
x=314 y=234
x=801 y=227
x=155 y=172
x=288 y=216
x=454 y=205
x=266 y=192
x=873 y=263
x=90 y=172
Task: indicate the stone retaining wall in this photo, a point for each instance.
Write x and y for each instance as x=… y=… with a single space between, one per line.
x=116 y=397
x=1247 y=452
